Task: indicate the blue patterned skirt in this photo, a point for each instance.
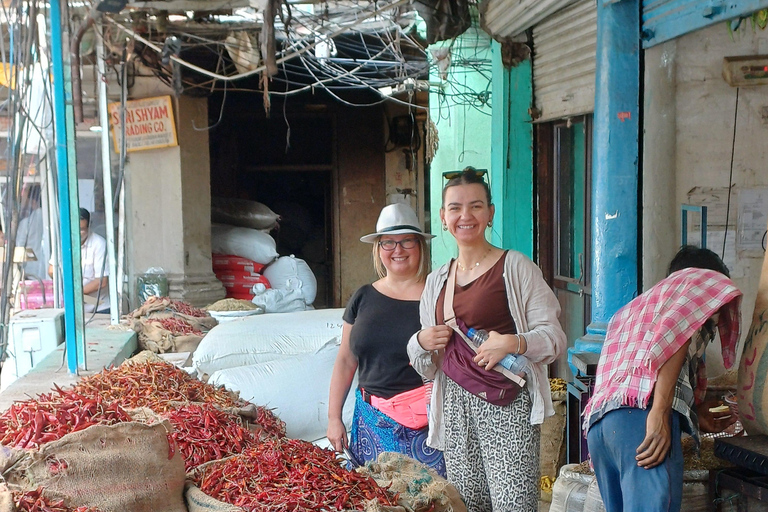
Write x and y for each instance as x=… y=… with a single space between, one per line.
x=373 y=432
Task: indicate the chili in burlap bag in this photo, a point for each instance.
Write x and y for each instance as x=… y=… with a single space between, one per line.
x=419 y=486
x=127 y=467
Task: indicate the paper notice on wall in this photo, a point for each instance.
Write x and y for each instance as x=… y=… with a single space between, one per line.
x=715 y=244
x=753 y=217
x=149 y=124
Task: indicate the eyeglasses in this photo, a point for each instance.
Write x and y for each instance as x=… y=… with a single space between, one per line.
x=405 y=243
x=449 y=175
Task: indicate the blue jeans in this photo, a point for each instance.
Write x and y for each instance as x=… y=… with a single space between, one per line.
x=625 y=486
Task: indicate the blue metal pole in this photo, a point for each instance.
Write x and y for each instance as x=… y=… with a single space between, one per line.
x=68 y=201
x=615 y=193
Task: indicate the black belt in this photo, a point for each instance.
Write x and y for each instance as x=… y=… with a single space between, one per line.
x=366 y=396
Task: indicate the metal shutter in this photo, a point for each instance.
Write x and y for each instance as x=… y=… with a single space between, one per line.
x=509 y=18
x=564 y=60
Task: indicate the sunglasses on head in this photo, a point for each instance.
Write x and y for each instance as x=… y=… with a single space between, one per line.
x=449 y=175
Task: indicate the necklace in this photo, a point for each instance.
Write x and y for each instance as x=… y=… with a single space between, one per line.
x=473 y=267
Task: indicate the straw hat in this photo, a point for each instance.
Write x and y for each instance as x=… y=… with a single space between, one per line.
x=396 y=219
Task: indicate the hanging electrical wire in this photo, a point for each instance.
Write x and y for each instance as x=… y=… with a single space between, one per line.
x=335 y=47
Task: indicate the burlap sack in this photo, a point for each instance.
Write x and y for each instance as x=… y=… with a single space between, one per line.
x=420 y=487
x=198 y=501
x=751 y=391
x=158 y=340
x=116 y=468
x=553 y=439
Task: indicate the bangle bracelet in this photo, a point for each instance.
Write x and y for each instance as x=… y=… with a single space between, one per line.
x=520 y=341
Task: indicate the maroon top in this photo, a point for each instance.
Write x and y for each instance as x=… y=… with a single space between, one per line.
x=482 y=303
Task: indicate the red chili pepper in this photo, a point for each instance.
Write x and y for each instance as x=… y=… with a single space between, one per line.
x=34 y=501
x=285 y=474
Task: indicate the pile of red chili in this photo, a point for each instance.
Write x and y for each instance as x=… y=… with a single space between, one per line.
x=31 y=423
x=204 y=433
x=177 y=326
x=34 y=501
x=288 y=474
x=186 y=309
x=152 y=383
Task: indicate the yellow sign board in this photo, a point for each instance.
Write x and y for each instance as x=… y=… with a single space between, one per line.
x=149 y=124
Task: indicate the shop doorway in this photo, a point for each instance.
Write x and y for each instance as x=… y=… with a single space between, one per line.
x=303 y=200
x=287 y=163
x=565 y=247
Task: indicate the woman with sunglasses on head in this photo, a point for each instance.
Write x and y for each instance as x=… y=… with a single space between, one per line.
x=391 y=399
x=487 y=426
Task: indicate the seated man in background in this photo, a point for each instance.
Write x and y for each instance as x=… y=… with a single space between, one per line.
x=93 y=261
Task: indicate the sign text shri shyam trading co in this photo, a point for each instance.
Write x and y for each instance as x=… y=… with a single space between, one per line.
x=148 y=124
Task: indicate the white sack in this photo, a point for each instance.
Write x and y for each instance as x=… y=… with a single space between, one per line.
x=243 y=213
x=261 y=338
x=289 y=273
x=244 y=242
x=295 y=387
x=273 y=300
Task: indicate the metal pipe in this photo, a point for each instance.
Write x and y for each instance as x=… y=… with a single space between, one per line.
x=74 y=51
x=106 y=169
x=68 y=200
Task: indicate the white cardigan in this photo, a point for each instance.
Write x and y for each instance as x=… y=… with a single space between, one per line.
x=535 y=310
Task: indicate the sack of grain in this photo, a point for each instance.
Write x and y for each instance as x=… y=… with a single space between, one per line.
x=418 y=486
x=116 y=468
x=244 y=242
x=244 y=213
x=570 y=490
x=262 y=338
x=294 y=387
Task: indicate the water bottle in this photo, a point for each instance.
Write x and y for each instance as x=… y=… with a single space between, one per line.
x=514 y=363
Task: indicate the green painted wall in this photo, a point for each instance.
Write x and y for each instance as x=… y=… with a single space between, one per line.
x=512 y=155
x=463 y=120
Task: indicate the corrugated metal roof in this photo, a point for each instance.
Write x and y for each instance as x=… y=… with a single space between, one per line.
x=667 y=19
x=509 y=18
x=564 y=61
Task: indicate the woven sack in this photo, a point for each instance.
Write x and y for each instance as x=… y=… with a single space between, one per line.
x=115 y=468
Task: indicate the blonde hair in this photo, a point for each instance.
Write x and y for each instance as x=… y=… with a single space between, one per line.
x=424 y=263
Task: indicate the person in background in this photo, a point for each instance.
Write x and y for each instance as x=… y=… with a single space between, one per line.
x=391 y=399
x=491 y=449
x=31 y=234
x=651 y=382
x=93 y=255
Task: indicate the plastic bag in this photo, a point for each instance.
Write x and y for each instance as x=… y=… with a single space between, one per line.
x=274 y=300
x=289 y=273
x=152 y=283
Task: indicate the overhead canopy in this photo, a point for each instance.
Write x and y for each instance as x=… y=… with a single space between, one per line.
x=667 y=19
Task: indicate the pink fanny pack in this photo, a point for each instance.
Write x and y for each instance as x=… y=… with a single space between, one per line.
x=408 y=408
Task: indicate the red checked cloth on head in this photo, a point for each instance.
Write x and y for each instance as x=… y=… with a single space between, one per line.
x=645 y=333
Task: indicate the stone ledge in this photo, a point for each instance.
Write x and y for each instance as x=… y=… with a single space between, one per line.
x=105 y=347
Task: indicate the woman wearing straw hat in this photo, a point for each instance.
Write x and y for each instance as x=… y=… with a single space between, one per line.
x=391 y=398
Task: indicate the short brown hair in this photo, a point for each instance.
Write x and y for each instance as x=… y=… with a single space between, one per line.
x=469 y=176
x=424 y=263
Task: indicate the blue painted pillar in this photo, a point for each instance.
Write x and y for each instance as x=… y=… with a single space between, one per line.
x=64 y=129
x=615 y=153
